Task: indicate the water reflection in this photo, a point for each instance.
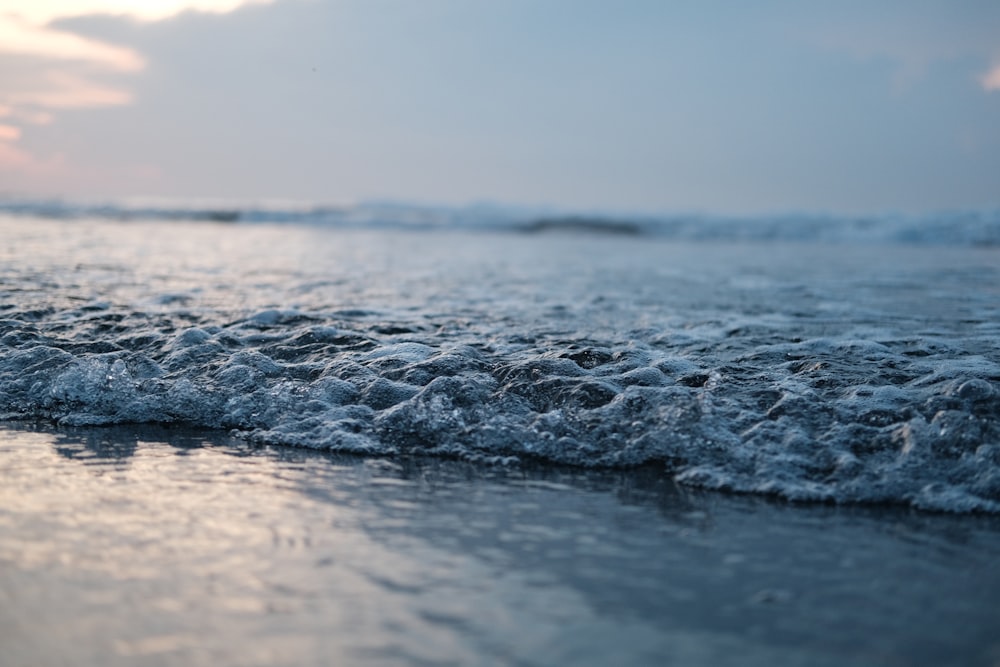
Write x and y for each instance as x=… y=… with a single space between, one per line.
x=200 y=549
x=109 y=448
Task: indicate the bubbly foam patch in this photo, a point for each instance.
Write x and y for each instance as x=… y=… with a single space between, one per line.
x=817 y=419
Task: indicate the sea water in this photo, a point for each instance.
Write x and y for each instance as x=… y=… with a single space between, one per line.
x=813 y=359
x=508 y=430
x=167 y=545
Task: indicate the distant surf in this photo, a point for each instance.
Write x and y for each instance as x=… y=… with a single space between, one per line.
x=964 y=228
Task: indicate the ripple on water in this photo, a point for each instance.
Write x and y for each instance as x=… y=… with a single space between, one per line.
x=736 y=384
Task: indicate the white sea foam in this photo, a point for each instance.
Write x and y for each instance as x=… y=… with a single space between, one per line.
x=845 y=373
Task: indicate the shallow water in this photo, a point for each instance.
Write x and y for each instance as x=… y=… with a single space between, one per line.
x=850 y=372
x=177 y=546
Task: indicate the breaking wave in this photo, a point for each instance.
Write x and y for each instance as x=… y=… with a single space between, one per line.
x=963 y=228
x=861 y=375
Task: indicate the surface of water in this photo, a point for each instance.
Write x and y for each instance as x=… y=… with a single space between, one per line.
x=847 y=372
x=467 y=367
x=166 y=546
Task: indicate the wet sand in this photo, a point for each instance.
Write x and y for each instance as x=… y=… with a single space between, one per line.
x=170 y=546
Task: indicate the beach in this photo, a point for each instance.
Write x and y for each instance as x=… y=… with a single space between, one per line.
x=168 y=546
x=499 y=333
x=322 y=441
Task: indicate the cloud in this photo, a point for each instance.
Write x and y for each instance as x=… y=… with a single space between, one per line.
x=25 y=116
x=9 y=133
x=20 y=37
x=47 y=69
x=991 y=80
x=59 y=89
x=19 y=166
x=41 y=12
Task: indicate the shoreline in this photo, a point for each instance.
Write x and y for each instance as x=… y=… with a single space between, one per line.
x=655 y=472
x=186 y=546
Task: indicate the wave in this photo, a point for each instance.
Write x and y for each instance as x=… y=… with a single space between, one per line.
x=799 y=420
x=954 y=228
x=803 y=372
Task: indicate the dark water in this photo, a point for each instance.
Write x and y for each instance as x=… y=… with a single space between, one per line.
x=155 y=546
x=844 y=372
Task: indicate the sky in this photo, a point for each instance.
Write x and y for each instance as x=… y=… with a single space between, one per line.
x=640 y=105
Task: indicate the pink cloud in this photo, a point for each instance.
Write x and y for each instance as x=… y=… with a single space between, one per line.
x=59 y=89
x=991 y=80
x=58 y=71
x=9 y=133
x=44 y=11
x=17 y=165
x=23 y=38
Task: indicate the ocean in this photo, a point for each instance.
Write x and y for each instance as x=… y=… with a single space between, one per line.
x=846 y=361
x=392 y=434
